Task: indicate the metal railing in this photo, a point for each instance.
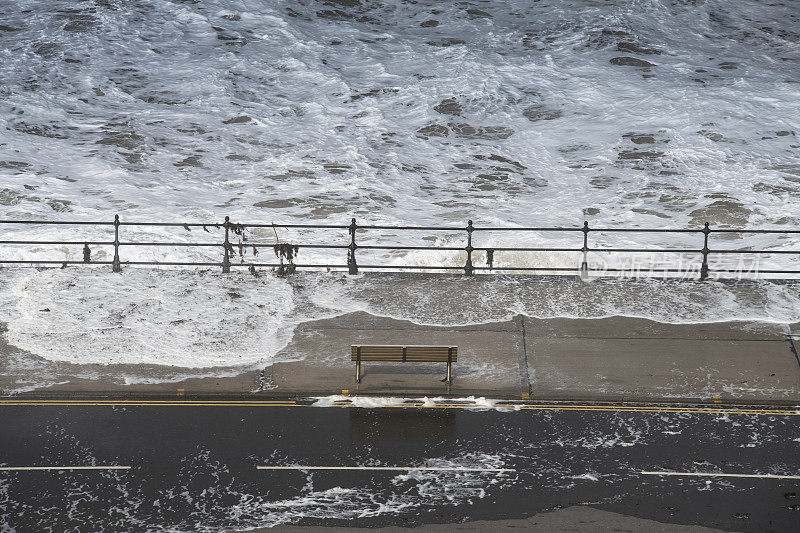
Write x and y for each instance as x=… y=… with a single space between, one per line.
x=286 y=252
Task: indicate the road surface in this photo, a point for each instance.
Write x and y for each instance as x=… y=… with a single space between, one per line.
x=185 y=466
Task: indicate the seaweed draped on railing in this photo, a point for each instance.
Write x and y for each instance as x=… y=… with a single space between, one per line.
x=239 y=248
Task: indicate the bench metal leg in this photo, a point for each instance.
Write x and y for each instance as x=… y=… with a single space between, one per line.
x=449 y=375
x=358 y=372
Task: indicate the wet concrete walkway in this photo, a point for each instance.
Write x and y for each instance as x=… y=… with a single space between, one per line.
x=614 y=359
x=610 y=359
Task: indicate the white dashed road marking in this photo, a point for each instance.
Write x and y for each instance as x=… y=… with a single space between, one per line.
x=714 y=474
x=401 y=468
x=8 y=468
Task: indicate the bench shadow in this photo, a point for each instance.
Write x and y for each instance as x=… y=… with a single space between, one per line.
x=386 y=423
x=403 y=369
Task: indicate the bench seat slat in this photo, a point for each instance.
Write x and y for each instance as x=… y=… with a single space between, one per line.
x=379 y=358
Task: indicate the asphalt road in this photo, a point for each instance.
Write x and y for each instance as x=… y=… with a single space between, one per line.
x=212 y=467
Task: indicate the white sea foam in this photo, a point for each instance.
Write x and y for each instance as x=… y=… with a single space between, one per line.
x=395 y=113
x=413 y=490
x=207 y=319
x=468 y=402
x=165 y=318
x=281 y=110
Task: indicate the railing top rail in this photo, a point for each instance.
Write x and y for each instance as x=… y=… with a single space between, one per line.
x=730 y=230
x=585 y=228
x=63 y=222
x=511 y=228
x=413 y=228
x=175 y=224
x=646 y=230
x=271 y=225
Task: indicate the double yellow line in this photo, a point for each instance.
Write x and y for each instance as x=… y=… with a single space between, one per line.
x=500 y=406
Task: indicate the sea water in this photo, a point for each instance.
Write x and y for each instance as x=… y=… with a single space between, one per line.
x=648 y=113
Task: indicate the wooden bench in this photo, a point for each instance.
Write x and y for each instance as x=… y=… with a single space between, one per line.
x=405 y=354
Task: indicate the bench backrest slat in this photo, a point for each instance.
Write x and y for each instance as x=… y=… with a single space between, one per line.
x=432 y=354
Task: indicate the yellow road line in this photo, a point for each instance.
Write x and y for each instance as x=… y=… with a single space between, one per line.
x=410 y=405
x=615 y=408
x=676 y=409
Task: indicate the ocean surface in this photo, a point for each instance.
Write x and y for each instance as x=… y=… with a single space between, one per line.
x=648 y=113
x=645 y=112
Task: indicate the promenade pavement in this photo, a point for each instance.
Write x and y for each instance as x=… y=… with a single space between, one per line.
x=613 y=359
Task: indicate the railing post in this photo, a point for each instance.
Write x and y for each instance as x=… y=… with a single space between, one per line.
x=116 y=266
x=704 y=251
x=468 y=268
x=352 y=266
x=226 y=259
x=584 y=273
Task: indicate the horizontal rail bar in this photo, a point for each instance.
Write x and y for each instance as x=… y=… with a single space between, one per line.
x=648 y=230
x=733 y=251
x=379 y=247
x=413 y=267
x=662 y=270
x=263 y=265
x=502 y=228
x=233 y=244
x=60 y=222
x=51 y=261
x=285 y=265
x=170 y=263
x=264 y=225
x=581 y=229
x=764 y=231
x=175 y=224
x=646 y=250
x=273 y=244
x=319 y=246
x=184 y=244
x=92 y=243
x=186 y=263
x=522 y=249
x=758 y=271
x=554 y=269
x=623 y=250
x=578 y=269
x=415 y=228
